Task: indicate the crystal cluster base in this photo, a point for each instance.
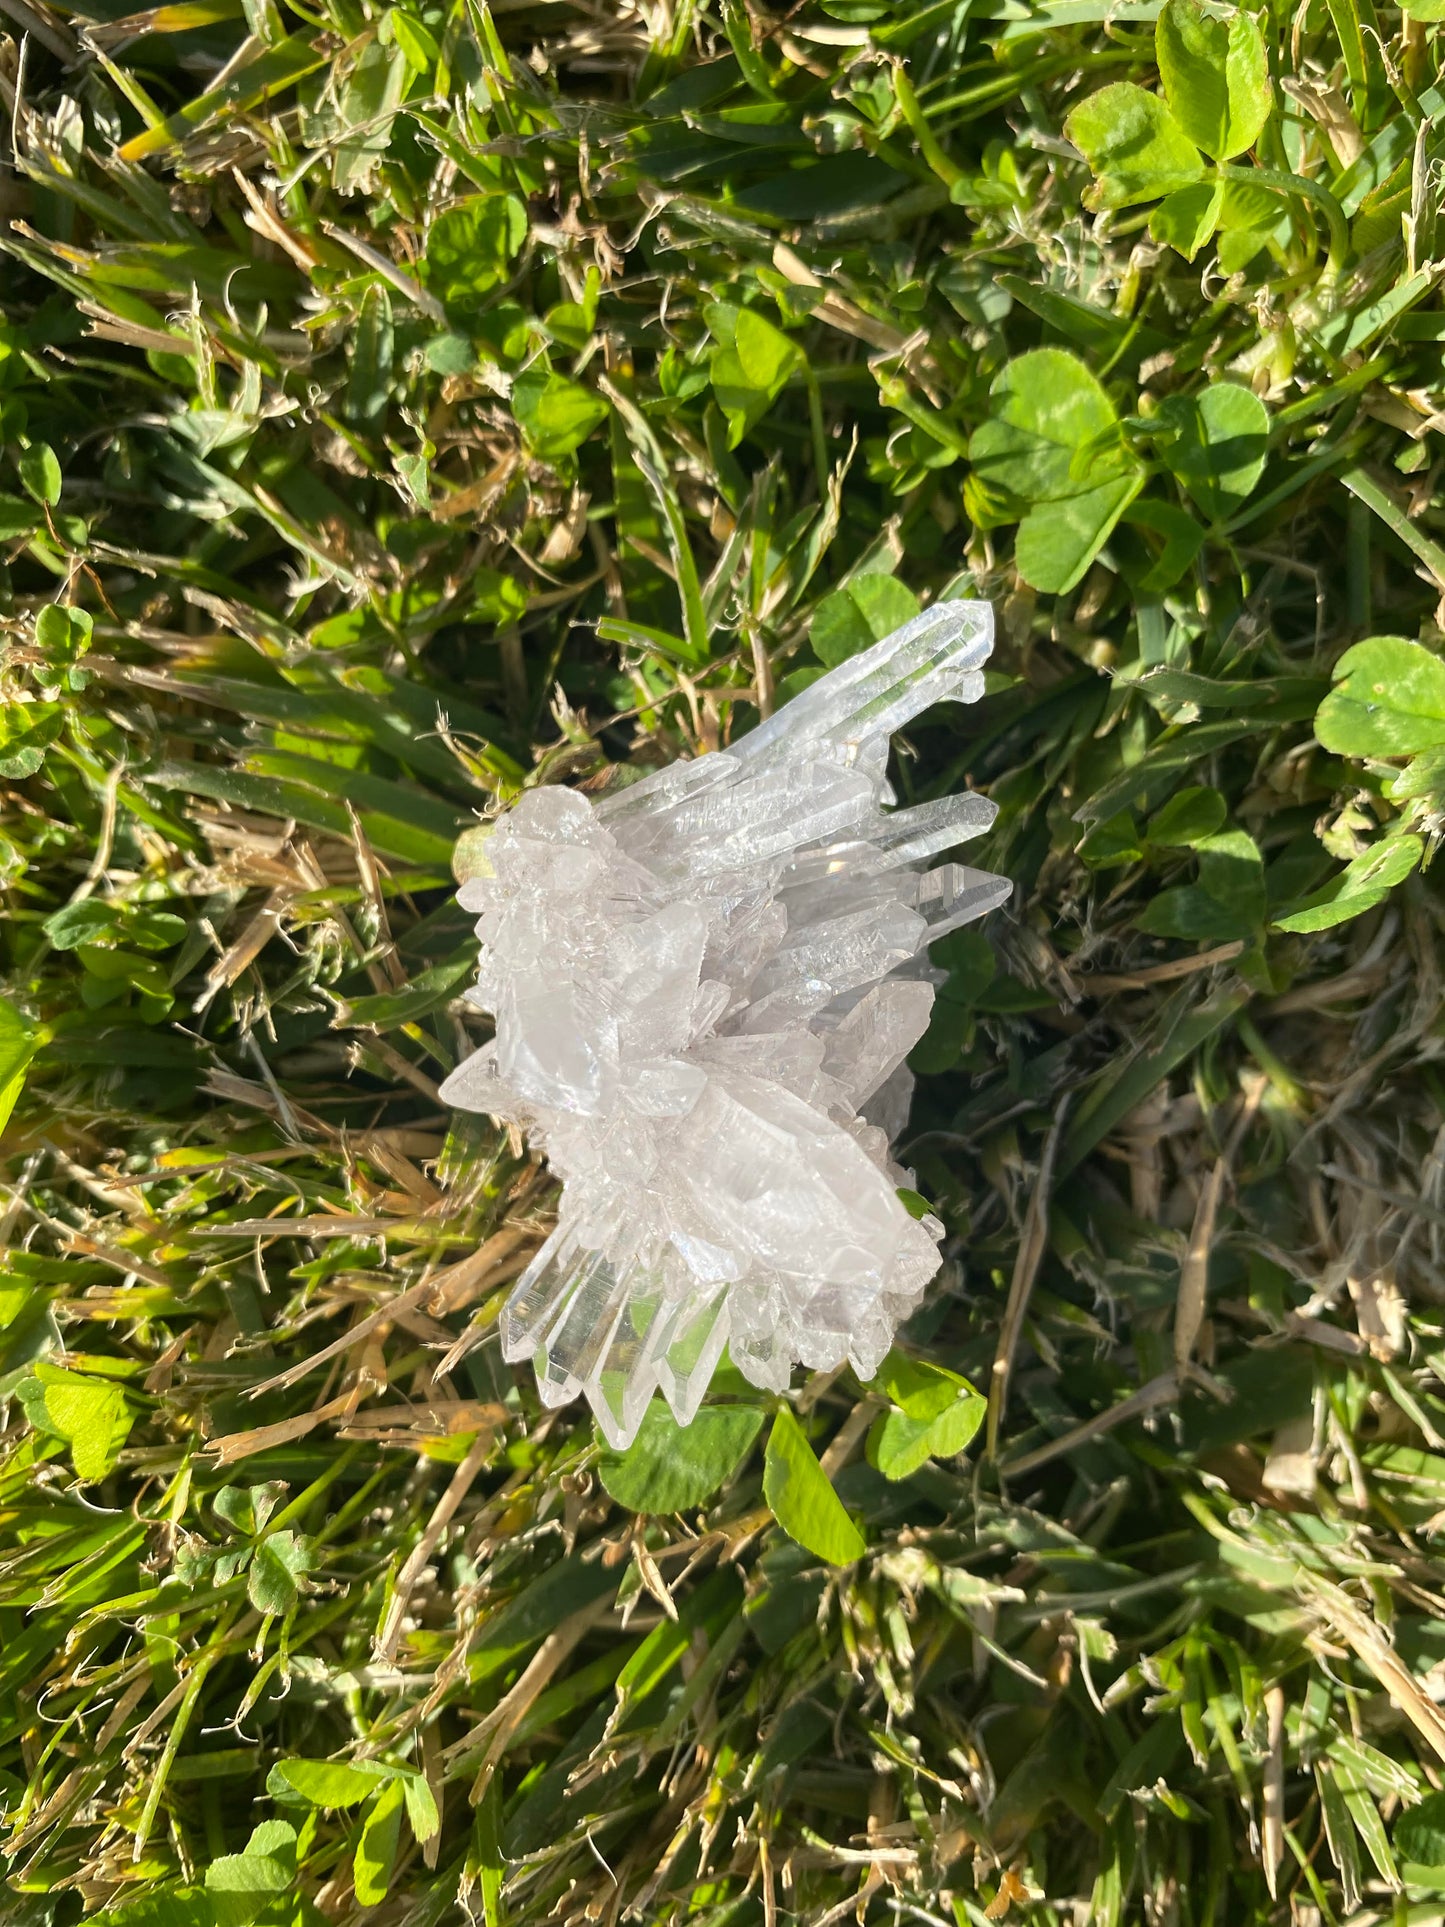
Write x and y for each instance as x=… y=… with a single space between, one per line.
x=704 y=990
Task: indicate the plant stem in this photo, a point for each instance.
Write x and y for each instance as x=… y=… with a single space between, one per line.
x=1320 y=197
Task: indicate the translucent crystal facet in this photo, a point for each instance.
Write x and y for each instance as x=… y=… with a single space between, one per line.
x=704 y=990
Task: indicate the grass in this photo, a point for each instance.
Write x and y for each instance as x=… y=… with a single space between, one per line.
x=400 y=405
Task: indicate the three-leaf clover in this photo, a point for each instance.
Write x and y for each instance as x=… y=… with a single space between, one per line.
x=1054 y=443
x=1216 y=100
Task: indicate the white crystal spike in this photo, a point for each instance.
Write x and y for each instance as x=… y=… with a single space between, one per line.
x=698 y=985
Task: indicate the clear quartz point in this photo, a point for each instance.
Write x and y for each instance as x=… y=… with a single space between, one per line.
x=704 y=988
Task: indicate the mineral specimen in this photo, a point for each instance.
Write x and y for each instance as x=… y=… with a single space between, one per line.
x=704 y=988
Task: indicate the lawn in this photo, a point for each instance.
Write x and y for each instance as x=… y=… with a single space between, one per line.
x=405 y=404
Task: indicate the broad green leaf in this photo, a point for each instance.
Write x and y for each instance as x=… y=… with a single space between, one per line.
x=87 y=921
x=17 y=517
x=1215 y=75
x=19 y=1041
x=375 y=1857
x=852 y=619
x=421 y=1806
x=968 y=957
x=954 y=1428
x=1363 y=883
x=749 y=367
x=949 y=1028
x=1238 y=246
x=1247 y=219
x=327 y=1783
x=1187 y=218
x=278 y=1567
x=1423 y=776
x=10 y=1091
x=938 y=1414
x=802 y=1500
x=1420 y=1832
x=765 y=354
x=26 y=731
x=277 y=1840
x=416 y=41
x=242 y=1886
x=1187 y=818
x=570 y=323
x=1135 y=146
x=239 y=1513
x=40 y=472
x=554 y=414
x=670 y=1467
x=1388 y=700
x=900 y=1445
x=1215 y=443
x=1112 y=844
x=918 y=1387
x=1191 y=914
x=63 y=635
x=91 y=1415
x=1058 y=541
x=1051 y=429
x=248 y=1508
x=1232 y=872
x=149 y=929
x=470 y=248
x=450 y=355
x=90 y=922
x=796 y=681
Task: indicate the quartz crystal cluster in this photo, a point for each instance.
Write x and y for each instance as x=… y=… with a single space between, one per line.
x=704 y=988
